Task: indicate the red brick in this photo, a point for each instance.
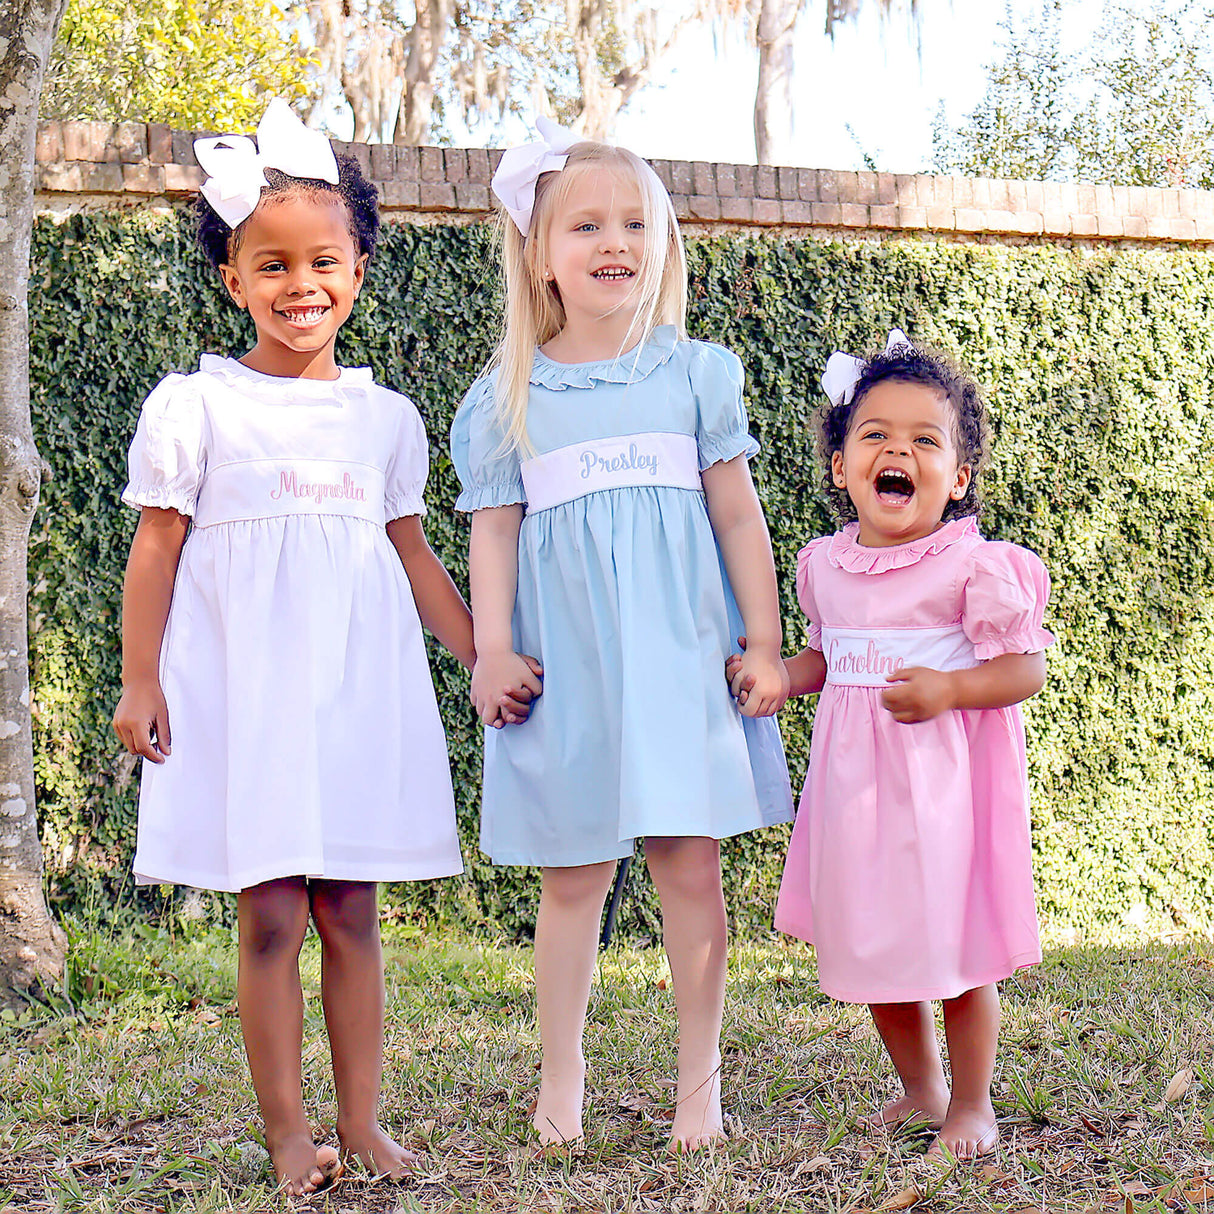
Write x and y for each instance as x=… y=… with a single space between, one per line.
x=1053 y=197
x=912 y=217
x=495 y=158
x=1017 y=196
x=969 y=219
x=182 y=178
x=744 y=180
x=383 y=161
x=455 y=165
x=704 y=206
x=883 y=216
x=399 y=193
x=703 y=180
x=160 y=143
x=828 y=185
x=1034 y=196
x=1205 y=228
x=925 y=188
x=767 y=211
x=1086 y=200
x=102 y=178
x=183 y=147
x=982 y=194
x=661 y=170
x=478 y=165
x=827 y=214
x=408 y=163
x=60 y=178
x=680 y=177
x=787 y=183
x=1171 y=203
x=681 y=208
x=1104 y=200
x=143 y=178
x=1183 y=229
x=1083 y=225
x=737 y=210
x=866 y=187
x=436 y=195
x=1056 y=223
x=962 y=192
x=472 y=197
x=130 y=141
x=848 y=187
x=906 y=191
x=855 y=215
x=1134 y=226
x=77 y=141
x=1112 y=226
x=431 y=164
x=765 y=181
x=807 y=185
x=362 y=154
x=48 y=149
x=1026 y=223
x=794 y=211
x=887 y=188
x=727 y=186
x=1121 y=200
x=942 y=218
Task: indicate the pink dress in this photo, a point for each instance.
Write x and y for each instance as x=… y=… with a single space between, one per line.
x=910 y=867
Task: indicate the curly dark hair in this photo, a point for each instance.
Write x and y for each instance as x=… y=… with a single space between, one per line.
x=912 y=364
x=219 y=242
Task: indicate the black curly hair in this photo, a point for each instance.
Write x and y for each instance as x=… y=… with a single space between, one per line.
x=219 y=242
x=912 y=364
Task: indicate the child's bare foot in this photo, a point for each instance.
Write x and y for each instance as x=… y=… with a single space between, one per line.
x=968 y=1132
x=557 y=1117
x=697 y=1119
x=300 y=1166
x=378 y=1151
x=927 y=1108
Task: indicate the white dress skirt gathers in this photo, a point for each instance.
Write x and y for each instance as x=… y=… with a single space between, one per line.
x=306 y=739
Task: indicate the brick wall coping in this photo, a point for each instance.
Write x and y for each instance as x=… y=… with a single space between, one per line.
x=102 y=163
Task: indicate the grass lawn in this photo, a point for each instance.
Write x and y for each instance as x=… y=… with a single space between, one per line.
x=140 y=1099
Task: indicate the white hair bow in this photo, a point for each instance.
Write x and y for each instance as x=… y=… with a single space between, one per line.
x=843 y=371
x=520 y=168
x=235 y=164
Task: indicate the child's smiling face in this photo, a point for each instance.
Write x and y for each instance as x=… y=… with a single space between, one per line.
x=899 y=463
x=298 y=272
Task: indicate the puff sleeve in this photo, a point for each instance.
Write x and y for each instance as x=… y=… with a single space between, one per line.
x=805 y=592
x=408 y=467
x=721 y=424
x=488 y=474
x=1004 y=600
x=165 y=464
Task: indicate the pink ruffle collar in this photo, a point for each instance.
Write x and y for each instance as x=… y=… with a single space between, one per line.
x=846 y=552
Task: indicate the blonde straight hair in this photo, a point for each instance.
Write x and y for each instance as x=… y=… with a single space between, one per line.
x=534 y=313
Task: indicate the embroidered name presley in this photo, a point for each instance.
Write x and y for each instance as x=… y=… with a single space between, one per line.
x=289 y=485
x=627 y=461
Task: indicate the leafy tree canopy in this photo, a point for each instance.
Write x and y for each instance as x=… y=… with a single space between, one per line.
x=205 y=64
x=1136 y=107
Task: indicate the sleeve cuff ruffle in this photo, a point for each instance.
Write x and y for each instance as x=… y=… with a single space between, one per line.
x=161 y=497
x=404 y=505
x=719 y=448
x=813 y=635
x=1030 y=639
x=496 y=493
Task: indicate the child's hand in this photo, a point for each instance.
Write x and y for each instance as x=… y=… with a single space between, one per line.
x=918 y=694
x=758 y=680
x=141 y=720
x=503 y=685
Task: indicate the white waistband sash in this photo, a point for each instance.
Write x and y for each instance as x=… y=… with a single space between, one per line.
x=626 y=461
x=862 y=657
x=271 y=488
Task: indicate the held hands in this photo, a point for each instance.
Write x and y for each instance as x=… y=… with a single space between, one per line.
x=141 y=720
x=758 y=680
x=504 y=684
x=918 y=694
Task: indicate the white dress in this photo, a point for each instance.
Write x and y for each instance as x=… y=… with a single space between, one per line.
x=306 y=739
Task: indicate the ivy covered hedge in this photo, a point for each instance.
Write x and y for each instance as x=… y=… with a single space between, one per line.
x=1100 y=371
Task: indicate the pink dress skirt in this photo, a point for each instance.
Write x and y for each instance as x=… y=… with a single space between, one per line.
x=910 y=863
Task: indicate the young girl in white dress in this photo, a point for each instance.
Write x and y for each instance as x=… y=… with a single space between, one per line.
x=604 y=458
x=271 y=613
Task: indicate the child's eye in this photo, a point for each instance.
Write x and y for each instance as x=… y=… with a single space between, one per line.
x=879 y=434
x=586 y=227
x=926 y=438
x=323 y=263
x=637 y=225
x=272 y=267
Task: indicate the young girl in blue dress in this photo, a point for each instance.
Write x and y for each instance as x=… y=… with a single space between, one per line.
x=271 y=606
x=604 y=459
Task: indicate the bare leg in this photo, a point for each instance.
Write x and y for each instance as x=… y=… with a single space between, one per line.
x=971 y=1025
x=909 y=1033
x=273 y=917
x=352 y=987
x=687 y=874
x=566 y=945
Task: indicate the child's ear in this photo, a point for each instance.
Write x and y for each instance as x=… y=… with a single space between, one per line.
x=231 y=280
x=962 y=483
x=836 y=470
x=360 y=272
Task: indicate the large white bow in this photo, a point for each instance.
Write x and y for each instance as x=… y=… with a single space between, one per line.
x=234 y=163
x=520 y=168
x=843 y=371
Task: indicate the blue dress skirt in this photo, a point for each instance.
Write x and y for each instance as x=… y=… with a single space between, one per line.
x=623 y=597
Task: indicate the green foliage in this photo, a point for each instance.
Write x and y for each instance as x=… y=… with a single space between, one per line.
x=1099 y=364
x=1136 y=107
x=197 y=64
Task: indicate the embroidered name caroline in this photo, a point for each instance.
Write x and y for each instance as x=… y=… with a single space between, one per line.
x=627 y=461
x=869 y=660
x=290 y=486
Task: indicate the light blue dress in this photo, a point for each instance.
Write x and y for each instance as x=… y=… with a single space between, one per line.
x=623 y=597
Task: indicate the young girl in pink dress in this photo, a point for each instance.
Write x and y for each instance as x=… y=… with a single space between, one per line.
x=909 y=867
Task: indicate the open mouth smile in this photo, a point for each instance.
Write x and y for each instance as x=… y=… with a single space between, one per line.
x=894 y=487
x=304 y=318
x=613 y=274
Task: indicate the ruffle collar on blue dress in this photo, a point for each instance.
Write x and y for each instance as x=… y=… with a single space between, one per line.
x=846 y=551
x=284 y=390
x=627 y=368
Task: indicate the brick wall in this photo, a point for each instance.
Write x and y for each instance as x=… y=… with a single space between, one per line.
x=100 y=163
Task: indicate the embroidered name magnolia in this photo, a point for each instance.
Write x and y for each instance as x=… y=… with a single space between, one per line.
x=627 y=461
x=289 y=485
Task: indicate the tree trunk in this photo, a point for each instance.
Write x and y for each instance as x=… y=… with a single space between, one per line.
x=425 y=41
x=773 y=97
x=32 y=947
